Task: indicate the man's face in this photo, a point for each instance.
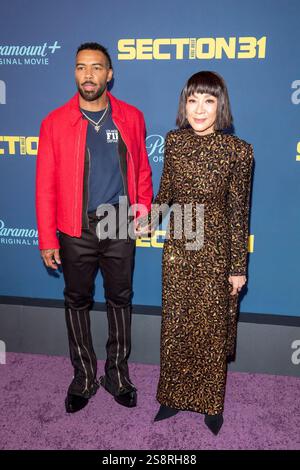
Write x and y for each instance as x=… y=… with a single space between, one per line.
x=92 y=73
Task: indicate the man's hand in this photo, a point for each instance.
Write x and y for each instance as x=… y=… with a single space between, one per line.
x=51 y=258
x=237 y=282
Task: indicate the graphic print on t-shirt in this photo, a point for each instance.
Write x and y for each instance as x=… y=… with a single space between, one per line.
x=111 y=136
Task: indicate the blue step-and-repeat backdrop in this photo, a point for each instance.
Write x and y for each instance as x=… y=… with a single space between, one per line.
x=155 y=47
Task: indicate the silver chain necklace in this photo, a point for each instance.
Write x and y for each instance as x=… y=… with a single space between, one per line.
x=97 y=125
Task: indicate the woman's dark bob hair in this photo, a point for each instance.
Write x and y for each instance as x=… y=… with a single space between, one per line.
x=213 y=84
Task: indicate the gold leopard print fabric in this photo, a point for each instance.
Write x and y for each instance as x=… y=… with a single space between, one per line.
x=199 y=316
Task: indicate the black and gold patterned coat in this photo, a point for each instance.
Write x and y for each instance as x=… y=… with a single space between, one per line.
x=198 y=312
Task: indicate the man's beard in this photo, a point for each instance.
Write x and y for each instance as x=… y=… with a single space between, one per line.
x=91 y=95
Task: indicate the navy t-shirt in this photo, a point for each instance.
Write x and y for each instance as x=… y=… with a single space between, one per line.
x=105 y=178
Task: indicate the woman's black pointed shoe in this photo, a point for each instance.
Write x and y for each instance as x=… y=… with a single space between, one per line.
x=214 y=422
x=165 y=412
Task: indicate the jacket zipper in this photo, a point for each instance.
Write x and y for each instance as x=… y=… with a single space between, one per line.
x=131 y=160
x=124 y=191
x=120 y=168
x=87 y=189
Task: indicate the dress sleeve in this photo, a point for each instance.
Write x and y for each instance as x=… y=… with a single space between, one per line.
x=164 y=196
x=238 y=206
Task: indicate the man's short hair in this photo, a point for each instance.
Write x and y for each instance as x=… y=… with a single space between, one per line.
x=94 y=46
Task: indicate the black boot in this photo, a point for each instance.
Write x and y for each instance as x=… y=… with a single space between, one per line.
x=84 y=384
x=116 y=380
x=214 y=422
x=125 y=397
x=74 y=403
x=165 y=412
x=128 y=399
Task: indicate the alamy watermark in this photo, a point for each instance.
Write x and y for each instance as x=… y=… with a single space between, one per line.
x=2 y=92
x=122 y=221
x=295 y=97
x=2 y=352
x=295 y=358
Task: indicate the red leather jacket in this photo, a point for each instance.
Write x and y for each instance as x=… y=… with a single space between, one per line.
x=61 y=161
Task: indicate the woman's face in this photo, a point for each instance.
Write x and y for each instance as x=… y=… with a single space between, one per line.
x=201 y=112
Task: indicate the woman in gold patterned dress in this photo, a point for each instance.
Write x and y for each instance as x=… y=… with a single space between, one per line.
x=200 y=287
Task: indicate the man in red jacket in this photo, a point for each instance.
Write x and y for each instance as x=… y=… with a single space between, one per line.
x=91 y=156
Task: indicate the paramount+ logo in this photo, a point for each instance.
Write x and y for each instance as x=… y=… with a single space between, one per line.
x=246 y=47
x=32 y=54
x=17 y=235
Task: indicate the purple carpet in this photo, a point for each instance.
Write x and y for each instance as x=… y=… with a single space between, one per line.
x=261 y=412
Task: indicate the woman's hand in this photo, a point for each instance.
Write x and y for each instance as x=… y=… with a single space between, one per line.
x=237 y=282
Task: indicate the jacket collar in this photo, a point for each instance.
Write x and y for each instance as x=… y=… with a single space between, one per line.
x=75 y=113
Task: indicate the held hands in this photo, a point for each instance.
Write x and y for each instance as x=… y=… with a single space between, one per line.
x=237 y=282
x=51 y=258
x=142 y=231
